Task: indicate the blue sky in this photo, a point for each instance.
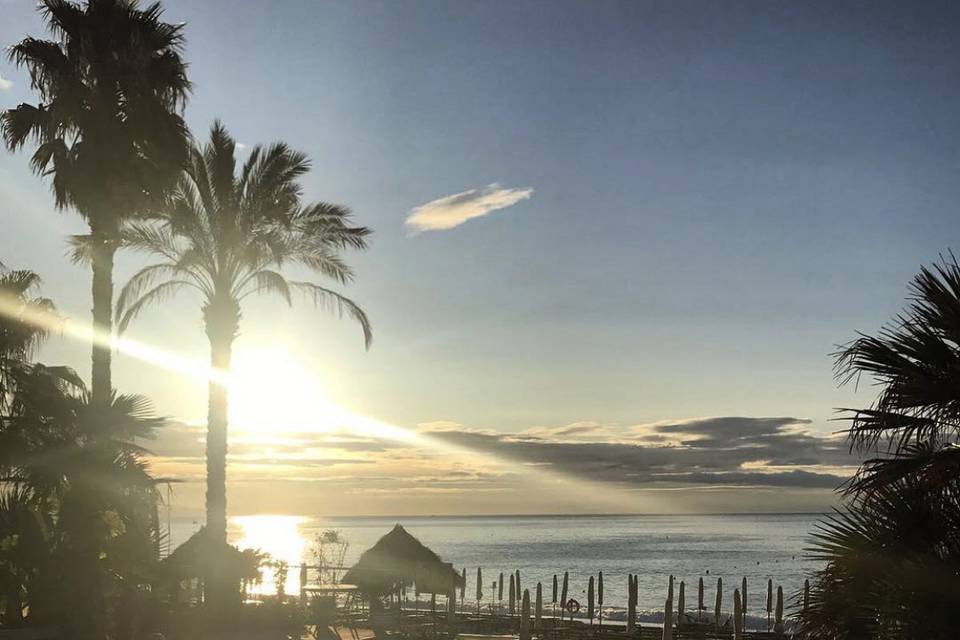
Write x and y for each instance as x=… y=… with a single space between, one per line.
x=721 y=192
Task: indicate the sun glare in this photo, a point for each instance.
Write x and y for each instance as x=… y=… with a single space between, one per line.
x=271 y=392
x=281 y=538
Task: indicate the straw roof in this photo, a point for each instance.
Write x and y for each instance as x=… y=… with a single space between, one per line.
x=201 y=555
x=399 y=558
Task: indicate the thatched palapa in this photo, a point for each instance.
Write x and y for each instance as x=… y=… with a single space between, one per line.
x=398 y=558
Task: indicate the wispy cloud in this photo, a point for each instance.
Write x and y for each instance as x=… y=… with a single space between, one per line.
x=5 y=84
x=452 y=211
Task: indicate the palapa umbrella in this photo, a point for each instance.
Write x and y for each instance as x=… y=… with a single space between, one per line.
x=700 y=607
x=525 y=617
x=681 y=601
x=513 y=595
x=737 y=616
x=563 y=594
x=668 y=620
x=769 y=601
x=590 y=599
x=538 y=612
x=806 y=594
x=716 y=608
x=778 y=619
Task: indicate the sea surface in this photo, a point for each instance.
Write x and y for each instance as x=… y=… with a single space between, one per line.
x=758 y=547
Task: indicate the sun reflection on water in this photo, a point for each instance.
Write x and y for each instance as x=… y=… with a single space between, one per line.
x=281 y=537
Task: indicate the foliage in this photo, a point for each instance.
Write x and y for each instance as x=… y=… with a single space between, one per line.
x=78 y=526
x=893 y=552
x=108 y=131
x=329 y=550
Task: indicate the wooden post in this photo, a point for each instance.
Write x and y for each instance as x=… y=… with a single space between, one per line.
x=525 y=617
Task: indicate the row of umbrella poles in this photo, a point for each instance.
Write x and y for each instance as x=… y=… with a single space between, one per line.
x=774 y=606
x=564 y=606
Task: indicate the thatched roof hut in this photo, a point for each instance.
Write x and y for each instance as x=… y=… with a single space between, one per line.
x=202 y=556
x=399 y=558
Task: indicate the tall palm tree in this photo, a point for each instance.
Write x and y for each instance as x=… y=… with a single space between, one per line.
x=108 y=130
x=227 y=236
x=892 y=553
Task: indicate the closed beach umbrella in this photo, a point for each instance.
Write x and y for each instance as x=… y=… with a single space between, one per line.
x=600 y=596
x=500 y=588
x=513 y=595
x=668 y=620
x=778 y=619
x=479 y=587
x=538 y=612
x=519 y=592
x=525 y=617
x=563 y=594
x=631 y=604
x=769 y=601
x=716 y=609
x=737 y=616
x=463 y=584
x=670 y=589
x=743 y=603
x=590 y=599
x=680 y=604
x=700 y=606
x=553 y=599
x=806 y=594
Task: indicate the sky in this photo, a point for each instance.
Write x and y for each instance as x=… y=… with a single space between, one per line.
x=614 y=246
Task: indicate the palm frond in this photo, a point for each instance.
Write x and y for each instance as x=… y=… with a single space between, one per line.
x=334 y=301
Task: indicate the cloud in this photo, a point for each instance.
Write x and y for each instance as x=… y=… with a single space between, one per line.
x=452 y=211
x=5 y=84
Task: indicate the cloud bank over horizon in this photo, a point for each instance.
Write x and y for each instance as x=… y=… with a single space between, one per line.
x=726 y=463
x=454 y=210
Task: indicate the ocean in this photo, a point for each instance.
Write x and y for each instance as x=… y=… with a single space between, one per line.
x=758 y=547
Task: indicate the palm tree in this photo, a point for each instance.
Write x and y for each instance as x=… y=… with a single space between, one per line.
x=227 y=236
x=108 y=131
x=892 y=553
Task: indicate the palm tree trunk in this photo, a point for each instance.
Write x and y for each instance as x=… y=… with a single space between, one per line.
x=102 y=291
x=222 y=319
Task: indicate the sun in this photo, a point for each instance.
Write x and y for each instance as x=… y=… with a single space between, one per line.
x=272 y=392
